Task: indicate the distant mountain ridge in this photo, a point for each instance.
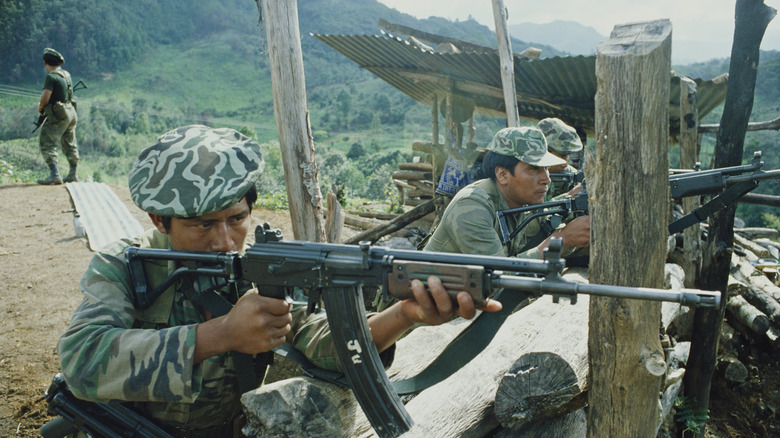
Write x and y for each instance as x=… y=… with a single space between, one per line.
x=568 y=36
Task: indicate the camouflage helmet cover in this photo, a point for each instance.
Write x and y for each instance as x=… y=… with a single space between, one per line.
x=51 y=52
x=561 y=138
x=527 y=144
x=195 y=170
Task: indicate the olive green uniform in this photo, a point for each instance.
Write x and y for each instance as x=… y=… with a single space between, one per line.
x=469 y=225
x=61 y=119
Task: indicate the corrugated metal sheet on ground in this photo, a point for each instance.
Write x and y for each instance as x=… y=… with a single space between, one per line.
x=104 y=216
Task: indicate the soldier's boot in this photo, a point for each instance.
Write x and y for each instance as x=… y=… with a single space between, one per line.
x=72 y=174
x=54 y=176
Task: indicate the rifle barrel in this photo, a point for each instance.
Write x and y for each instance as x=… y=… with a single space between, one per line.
x=757 y=176
x=558 y=287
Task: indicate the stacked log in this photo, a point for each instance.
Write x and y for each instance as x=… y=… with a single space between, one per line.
x=756 y=302
x=414 y=182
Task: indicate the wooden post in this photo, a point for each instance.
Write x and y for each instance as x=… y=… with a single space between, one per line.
x=751 y=20
x=292 y=119
x=689 y=155
x=335 y=221
x=507 y=63
x=630 y=191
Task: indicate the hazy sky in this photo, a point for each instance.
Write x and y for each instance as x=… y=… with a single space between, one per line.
x=706 y=22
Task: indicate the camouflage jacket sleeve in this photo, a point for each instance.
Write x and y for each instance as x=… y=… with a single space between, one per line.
x=312 y=336
x=105 y=358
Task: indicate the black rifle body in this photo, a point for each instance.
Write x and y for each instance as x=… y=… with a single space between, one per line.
x=336 y=274
x=97 y=419
x=731 y=183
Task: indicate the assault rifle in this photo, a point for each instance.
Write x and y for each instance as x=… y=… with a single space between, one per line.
x=727 y=183
x=97 y=419
x=336 y=273
x=42 y=117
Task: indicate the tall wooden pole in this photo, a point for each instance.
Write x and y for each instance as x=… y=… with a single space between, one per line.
x=689 y=155
x=507 y=63
x=751 y=19
x=629 y=188
x=292 y=119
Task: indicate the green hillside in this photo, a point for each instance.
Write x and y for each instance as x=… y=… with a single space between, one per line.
x=151 y=66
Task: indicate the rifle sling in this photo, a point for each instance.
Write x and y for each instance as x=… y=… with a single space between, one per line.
x=460 y=351
x=466 y=346
x=714 y=205
x=545 y=230
x=311 y=370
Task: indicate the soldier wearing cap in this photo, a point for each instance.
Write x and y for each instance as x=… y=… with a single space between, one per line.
x=171 y=359
x=60 y=127
x=562 y=141
x=516 y=168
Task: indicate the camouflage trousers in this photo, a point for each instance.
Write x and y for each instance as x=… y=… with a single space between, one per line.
x=59 y=131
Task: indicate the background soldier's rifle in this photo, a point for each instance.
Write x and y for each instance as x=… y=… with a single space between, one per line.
x=97 y=419
x=42 y=117
x=729 y=183
x=336 y=274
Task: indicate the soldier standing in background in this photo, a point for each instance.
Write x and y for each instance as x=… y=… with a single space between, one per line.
x=60 y=126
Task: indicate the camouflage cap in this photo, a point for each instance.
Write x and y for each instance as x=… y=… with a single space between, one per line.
x=527 y=144
x=195 y=170
x=561 y=138
x=52 y=52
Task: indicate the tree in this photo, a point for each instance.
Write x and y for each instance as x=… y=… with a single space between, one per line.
x=751 y=20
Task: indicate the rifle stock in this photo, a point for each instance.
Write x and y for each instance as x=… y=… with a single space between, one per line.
x=336 y=274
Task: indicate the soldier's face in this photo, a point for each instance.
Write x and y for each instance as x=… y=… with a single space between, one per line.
x=222 y=231
x=561 y=167
x=527 y=186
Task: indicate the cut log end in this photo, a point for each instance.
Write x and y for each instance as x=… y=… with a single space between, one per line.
x=535 y=388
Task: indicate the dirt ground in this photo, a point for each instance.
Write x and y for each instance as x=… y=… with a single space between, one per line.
x=41 y=262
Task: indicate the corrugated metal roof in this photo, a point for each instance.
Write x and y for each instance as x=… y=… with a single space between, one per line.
x=104 y=216
x=562 y=87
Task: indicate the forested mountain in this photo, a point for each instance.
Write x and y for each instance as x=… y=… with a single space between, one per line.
x=105 y=36
x=154 y=65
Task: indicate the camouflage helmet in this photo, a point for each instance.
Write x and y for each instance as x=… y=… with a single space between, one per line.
x=50 y=54
x=561 y=138
x=527 y=144
x=195 y=170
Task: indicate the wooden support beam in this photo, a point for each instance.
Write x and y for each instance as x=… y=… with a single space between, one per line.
x=335 y=220
x=507 y=63
x=292 y=119
x=689 y=156
x=626 y=357
x=770 y=125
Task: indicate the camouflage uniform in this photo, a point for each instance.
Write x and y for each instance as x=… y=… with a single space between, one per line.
x=469 y=224
x=114 y=352
x=563 y=140
x=61 y=119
